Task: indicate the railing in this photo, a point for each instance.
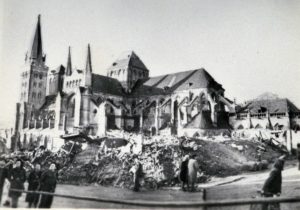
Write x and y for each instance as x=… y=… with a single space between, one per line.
x=167 y=204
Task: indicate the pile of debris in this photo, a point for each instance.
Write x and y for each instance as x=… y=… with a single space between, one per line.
x=109 y=162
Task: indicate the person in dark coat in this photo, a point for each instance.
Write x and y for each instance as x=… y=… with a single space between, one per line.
x=272 y=186
x=16 y=177
x=3 y=175
x=183 y=174
x=137 y=171
x=48 y=184
x=33 y=185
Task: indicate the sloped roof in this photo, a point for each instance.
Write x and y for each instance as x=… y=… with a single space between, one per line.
x=273 y=106
x=185 y=80
x=49 y=100
x=128 y=58
x=107 y=85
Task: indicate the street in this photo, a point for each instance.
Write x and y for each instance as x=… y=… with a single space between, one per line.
x=235 y=187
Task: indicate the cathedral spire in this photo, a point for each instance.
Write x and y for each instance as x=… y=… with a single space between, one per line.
x=69 y=64
x=88 y=68
x=37 y=47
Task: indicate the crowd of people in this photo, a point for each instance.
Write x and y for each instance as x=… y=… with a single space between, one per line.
x=12 y=170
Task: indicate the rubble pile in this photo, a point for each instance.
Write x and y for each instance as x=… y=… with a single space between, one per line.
x=108 y=161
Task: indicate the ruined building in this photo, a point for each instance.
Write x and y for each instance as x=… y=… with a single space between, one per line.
x=66 y=100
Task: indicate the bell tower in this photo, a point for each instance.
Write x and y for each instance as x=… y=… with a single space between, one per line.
x=33 y=79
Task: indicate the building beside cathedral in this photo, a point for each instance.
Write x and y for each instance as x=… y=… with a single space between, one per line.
x=67 y=100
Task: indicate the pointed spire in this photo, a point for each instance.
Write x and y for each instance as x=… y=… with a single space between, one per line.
x=69 y=64
x=88 y=67
x=37 y=48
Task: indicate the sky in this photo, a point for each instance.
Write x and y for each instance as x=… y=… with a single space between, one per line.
x=250 y=47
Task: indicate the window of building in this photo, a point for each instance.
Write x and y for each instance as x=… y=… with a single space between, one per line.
x=79 y=81
x=111 y=73
x=35 y=75
x=39 y=95
x=34 y=84
x=76 y=82
x=33 y=95
x=41 y=75
x=40 y=84
x=119 y=72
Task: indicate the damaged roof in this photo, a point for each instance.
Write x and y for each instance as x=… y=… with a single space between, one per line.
x=180 y=81
x=272 y=105
x=106 y=85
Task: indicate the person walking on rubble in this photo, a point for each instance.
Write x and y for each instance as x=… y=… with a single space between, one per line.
x=16 y=177
x=48 y=184
x=272 y=186
x=137 y=171
x=33 y=185
x=183 y=173
x=193 y=167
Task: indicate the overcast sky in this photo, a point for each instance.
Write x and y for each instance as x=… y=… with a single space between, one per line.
x=250 y=47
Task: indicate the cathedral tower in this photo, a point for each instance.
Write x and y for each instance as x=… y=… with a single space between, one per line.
x=33 y=80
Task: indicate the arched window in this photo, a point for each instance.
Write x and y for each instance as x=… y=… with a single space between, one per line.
x=39 y=95
x=76 y=82
x=40 y=84
x=41 y=75
x=79 y=81
x=119 y=72
x=34 y=84
x=111 y=73
x=33 y=95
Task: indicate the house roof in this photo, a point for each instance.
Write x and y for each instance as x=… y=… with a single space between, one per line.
x=280 y=105
x=180 y=81
x=107 y=85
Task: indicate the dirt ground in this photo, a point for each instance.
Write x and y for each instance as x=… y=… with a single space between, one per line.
x=243 y=188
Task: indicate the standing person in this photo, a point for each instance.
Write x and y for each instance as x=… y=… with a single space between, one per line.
x=33 y=185
x=298 y=155
x=3 y=175
x=48 y=184
x=183 y=174
x=192 y=172
x=137 y=173
x=272 y=186
x=17 y=177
